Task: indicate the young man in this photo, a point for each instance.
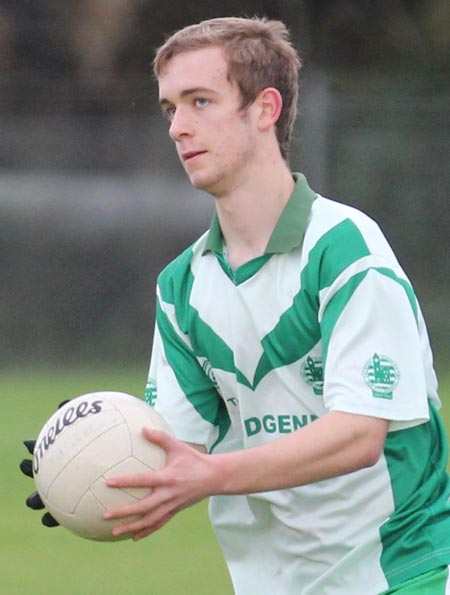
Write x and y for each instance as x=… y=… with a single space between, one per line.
x=290 y=354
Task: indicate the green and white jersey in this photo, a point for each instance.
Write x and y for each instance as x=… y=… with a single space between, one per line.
x=325 y=320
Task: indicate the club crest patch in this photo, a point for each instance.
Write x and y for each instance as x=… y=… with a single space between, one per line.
x=150 y=392
x=207 y=369
x=312 y=373
x=382 y=375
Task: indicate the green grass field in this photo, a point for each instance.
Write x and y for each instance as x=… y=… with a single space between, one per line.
x=181 y=559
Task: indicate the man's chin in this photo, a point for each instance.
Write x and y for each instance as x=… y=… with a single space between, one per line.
x=202 y=182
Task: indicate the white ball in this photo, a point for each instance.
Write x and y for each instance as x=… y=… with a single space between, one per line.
x=89 y=439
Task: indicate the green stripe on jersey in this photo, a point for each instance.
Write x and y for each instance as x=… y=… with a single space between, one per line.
x=245 y=271
x=336 y=250
x=416 y=534
x=343 y=295
x=176 y=286
x=429 y=583
x=194 y=382
x=175 y=283
x=298 y=329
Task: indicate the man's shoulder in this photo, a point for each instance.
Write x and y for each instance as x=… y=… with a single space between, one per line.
x=337 y=211
x=330 y=216
x=181 y=266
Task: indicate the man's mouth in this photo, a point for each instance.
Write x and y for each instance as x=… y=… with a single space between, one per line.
x=190 y=155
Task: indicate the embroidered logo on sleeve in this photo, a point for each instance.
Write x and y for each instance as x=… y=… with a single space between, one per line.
x=312 y=374
x=208 y=370
x=150 y=392
x=382 y=375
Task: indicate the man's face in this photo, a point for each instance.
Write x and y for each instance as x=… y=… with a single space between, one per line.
x=215 y=140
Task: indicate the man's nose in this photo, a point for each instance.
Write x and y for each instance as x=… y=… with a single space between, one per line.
x=180 y=125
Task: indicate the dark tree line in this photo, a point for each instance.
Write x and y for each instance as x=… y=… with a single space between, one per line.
x=98 y=44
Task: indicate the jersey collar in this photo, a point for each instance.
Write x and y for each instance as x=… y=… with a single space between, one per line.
x=291 y=225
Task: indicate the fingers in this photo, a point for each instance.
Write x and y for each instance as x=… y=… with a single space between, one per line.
x=153 y=507
x=49 y=521
x=153 y=501
x=34 y=501
x=26 y=466
x=169 y=493
x=149 y=530
x=148 y=479
x=136 y=508
x=30 y=444
x=146 y=524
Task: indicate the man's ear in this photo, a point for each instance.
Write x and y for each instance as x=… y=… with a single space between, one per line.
x=270 y=103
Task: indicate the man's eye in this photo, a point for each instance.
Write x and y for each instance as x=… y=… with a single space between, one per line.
x=169 y=113
x=201 y=102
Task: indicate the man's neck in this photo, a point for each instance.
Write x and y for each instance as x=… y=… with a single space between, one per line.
x=250 y=213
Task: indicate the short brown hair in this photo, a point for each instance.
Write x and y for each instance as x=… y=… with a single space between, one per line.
x=259 y=54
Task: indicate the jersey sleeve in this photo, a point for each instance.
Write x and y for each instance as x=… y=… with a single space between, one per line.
x=372 y=347
x=178 y=387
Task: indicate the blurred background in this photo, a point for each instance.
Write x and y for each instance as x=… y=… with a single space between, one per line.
x=93 y=202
